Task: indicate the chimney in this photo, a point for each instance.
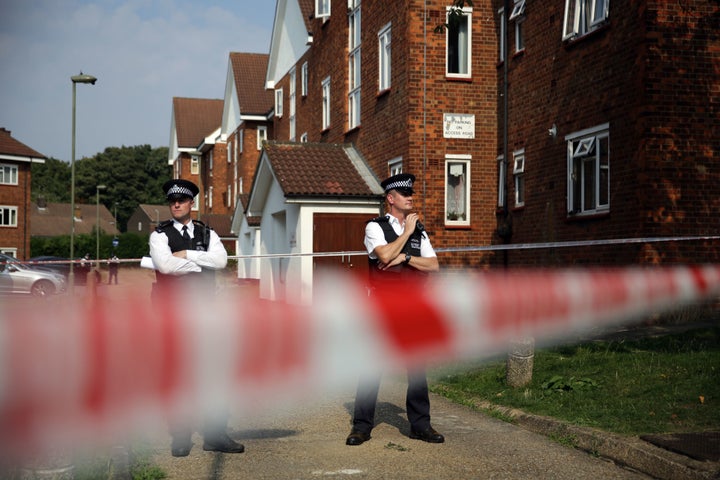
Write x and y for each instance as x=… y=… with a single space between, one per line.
x=78 y=213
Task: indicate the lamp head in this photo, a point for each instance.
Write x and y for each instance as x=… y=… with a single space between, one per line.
x=83 y=78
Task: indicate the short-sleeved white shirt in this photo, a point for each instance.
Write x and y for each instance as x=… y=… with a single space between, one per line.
x=375 y=237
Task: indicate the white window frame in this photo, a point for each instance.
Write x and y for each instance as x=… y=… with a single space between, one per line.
x=262 y=136
x=467 y=43
x=304 y=138
x=326 y=103
x=458 y=207
x=195 y=165
x=384 y=58
x=304 y=79
x=322 y=9
x=395 y=166
x=279 y=102
x=502 y=179
x=241 y=140
x=210 y=196
x=588 y=167
x=291 y=101
x=518 y=10
x=228 y=152
x=501 y=47
x=583 y=16
x=8 y=216
x=354 y=63
x=519 y=176
x=8 y=174
x=229 y=195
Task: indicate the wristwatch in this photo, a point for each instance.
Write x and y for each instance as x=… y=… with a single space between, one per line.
x=407 y=258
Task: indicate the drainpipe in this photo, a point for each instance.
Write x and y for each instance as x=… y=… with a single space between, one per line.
x=506 y=154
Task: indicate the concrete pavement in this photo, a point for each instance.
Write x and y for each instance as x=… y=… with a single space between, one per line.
x=308 y=442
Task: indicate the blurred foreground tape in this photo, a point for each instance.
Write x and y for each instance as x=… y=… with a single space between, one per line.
x=86 y=371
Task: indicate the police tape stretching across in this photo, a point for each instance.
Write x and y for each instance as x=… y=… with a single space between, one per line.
x=184 y=249
x=398 y=249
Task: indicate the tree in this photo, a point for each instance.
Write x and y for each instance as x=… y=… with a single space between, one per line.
x=50 y=180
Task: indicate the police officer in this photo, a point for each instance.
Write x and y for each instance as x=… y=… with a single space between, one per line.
x=398 y=248
x=183 y=249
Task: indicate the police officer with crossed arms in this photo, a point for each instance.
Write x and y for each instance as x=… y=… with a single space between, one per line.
x=185 y=251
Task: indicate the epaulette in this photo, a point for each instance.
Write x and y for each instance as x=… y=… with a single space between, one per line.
x=201 y=224
x=163 y=225
x=379 y=219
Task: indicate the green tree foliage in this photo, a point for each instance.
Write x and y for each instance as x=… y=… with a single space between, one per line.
x=132 y=175
x=51 y=180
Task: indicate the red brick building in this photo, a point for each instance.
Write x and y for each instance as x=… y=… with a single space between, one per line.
x=613 y=129
x=377 y=75
x=16 y=161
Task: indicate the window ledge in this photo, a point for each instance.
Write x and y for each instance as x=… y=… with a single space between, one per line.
x=452 y=226
x=570 y=42
x=353 y=130
x=588 y=216
x=382 y=93
x=459 y=79
x=518 y=54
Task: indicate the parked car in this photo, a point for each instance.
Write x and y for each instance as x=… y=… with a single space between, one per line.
x=48 y=262
x=19 y=277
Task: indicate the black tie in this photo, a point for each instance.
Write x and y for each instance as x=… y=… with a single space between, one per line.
x=186 y=236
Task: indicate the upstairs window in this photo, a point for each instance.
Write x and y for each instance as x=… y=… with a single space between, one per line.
x=8 y=216
x=501 y=46
x=384 y=58
x=261 y=136
x=322 y=9
x=195 y=165
x=458 y=38
x=304 y=80
x=583 y=16
x=326 y=103
x=501 y=180
x=395 y=166
x=279 y=102
x=292 y=104
x=8 y=174
x=518 y=16
x=354 y=67
x=519 y=176
x=588 y=166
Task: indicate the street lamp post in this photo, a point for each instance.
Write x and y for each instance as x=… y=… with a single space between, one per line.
x=97 y=224
x=82 y=78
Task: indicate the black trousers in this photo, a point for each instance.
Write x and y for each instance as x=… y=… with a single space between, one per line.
x=417 y=402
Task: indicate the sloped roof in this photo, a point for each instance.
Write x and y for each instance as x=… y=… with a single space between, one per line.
x=54 y=219
x=321 y=169
x=151 y=210
x=195 y=119
x=249 y=70
x=219 y=222
x=307 y=7
x=10 y=147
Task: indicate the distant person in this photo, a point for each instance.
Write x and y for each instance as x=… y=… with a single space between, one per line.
x=399 y=250
x=113 y=264
x=185 y=251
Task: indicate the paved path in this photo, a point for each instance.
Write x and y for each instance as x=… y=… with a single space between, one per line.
x=308 y=442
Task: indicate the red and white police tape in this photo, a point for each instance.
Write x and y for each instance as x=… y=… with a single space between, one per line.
x=85 y=370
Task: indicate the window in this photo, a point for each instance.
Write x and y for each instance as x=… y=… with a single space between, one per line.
x=457 y=195
x=518 y=16
x=519 y=175
x=384 y=58
x=583 y=16
x=501 y=52
x=502 y=176
x=304 y=138
x=326 y=103
x=261 y=136
x=279 y=102
x=241 y=140
x=229 y=195
x=292 y=105
x=458 y=39
x=195 y=165
x=304 y=79
x=395 y=166
x=8 y=174
x=588 y=163
x=8 y=216
x=228 y=151
x=210 y=197
x=354 y=67
x=322 y=9
x=210 y=162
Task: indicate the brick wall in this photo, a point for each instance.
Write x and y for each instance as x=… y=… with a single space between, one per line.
x=17 y=196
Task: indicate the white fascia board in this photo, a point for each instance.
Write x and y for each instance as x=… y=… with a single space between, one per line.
x=231 y=111
x=254 y=118
x=289 y=41
x=14 y=158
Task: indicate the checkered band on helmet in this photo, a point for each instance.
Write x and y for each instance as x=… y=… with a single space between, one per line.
x=178 y=190
x=401 y=181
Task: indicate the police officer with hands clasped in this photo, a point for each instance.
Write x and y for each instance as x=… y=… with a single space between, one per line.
x=398 y=249
x=184 y=250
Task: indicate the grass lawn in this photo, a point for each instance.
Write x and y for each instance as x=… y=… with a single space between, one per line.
x=663 y=384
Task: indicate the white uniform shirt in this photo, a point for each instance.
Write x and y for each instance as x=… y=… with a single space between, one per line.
x=215 y=258
x=374 y=237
